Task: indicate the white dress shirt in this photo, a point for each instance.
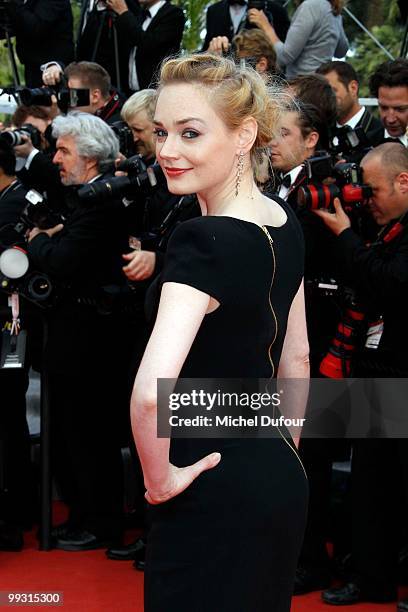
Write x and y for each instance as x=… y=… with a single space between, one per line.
x=237 y=13
x=283 y=190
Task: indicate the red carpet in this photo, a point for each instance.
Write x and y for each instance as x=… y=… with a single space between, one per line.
x=92 y=583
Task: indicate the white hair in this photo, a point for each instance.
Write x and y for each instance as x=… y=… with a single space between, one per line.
x=94 y=138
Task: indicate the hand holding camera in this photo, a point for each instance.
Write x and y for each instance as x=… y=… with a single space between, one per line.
x=219 y=45
x=336 y=221
x=52 y=75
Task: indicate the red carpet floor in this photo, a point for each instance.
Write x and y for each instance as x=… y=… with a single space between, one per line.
x=92 y=583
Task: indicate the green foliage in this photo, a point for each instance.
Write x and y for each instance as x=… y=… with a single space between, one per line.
x=6 y=75
x=368 y=56
x=195 y=22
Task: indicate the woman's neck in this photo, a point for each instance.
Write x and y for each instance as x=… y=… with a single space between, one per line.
x=224 y=200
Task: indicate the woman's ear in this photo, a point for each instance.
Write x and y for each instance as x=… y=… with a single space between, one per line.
x=247 y=134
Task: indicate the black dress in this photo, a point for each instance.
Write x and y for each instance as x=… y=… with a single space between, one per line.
x=230 y=542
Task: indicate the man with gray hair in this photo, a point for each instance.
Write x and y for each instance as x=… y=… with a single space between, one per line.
x=86 y=147
x=86 y=356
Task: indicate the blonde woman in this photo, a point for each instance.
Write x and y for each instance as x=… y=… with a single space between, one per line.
x=227 y=516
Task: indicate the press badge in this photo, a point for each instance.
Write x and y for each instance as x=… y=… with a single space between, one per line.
x=13 y=349
x=374 y=333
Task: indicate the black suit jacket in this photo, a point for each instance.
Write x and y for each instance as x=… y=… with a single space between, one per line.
x=161 y=39
x=100 y=25
x=12 y=203
x=373 y=128
x=219 y=22
x=44 y=31
x=68 y=255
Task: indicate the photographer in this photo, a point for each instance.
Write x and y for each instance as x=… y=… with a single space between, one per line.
x=39 y=172
x=87 y=355
x=43 y=30
x=226 y=18
x=152 y=35
x=351 y=116
x=378 y=273
x=17 y=485
x=104 y=101
x=98 y=41
x=252 y=46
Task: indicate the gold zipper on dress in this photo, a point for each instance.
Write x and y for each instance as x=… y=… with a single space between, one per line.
x=270 y=239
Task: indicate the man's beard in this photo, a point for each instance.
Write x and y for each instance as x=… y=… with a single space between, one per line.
x=75 y=177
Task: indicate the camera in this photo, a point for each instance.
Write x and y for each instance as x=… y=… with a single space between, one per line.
x=17 y=137
x=348 y=184
x=139 y=177
x=125 y=137
x=260 y=5
x=352 y=144
x=67 y=97
x=14 y=263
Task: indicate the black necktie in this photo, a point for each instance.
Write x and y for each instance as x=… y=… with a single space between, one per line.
x=145 y=15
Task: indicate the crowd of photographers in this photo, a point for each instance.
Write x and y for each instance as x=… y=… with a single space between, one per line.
x=85 y=216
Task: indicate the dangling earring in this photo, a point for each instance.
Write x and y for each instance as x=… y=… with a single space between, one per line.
x=240 y=168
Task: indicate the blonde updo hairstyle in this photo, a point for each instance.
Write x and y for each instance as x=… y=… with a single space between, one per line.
x=234 y=92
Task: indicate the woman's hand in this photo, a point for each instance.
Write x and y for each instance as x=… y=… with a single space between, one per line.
x=180 y=478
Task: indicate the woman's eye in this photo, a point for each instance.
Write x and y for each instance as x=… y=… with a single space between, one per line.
x=190 y=134
x=159 y=133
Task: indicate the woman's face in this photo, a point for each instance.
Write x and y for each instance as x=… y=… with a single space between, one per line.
x=193 y=146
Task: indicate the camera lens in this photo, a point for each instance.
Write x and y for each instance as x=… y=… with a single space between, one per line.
x=39 y=287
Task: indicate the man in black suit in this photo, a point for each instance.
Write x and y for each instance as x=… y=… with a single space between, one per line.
x=228 y=17
x=85 y=357
x=98 y=40
x=389 y=83
x=343 y=79
x=43 y=31
x=153 y=34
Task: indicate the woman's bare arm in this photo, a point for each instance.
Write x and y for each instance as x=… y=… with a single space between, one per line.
x=181 y=312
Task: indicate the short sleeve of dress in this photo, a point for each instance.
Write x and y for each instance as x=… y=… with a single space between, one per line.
x=192 y=259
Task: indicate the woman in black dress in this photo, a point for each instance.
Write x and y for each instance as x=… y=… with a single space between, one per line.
x=227 y=516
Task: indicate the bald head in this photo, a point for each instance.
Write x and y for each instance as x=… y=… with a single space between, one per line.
x=385 y=170
x=391 y=156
